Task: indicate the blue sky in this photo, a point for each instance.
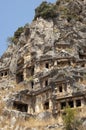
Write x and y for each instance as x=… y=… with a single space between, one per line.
x=14 y=14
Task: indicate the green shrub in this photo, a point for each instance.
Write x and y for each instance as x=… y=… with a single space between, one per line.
x=46 y=10
x=18 y=32
x=71 y=119
x=68 y=118
x=16 y=36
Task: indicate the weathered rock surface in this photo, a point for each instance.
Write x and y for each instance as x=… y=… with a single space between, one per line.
x=40 y=41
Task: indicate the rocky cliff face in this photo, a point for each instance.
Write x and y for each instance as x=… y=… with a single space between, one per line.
x=44 y=33
x=61 y=36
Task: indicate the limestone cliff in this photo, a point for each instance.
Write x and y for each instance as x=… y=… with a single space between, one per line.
x=47 y=64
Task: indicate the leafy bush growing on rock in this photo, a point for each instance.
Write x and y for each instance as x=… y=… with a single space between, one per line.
x=16 y=36
x=71 y=119
x=46 y=10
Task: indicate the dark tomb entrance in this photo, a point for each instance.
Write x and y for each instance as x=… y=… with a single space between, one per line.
x=20 y=106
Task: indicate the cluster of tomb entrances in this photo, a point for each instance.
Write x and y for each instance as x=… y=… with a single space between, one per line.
x=53 y=83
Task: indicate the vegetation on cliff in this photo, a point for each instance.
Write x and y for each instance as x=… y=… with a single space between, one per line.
x=46 y=10
x=16 y=36
x=66 y=9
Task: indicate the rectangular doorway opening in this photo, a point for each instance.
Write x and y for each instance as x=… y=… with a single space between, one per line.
x=71 y=104
x=46 y=105
x=19 y=77
x=47 y=65
x=78 y=103
x=60 y=89
x=20 y=106
x=63 y=105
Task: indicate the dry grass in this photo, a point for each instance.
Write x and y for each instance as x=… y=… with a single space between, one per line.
x=84 y=82
x=36 y=123
x=81 y=128
x=2 y=105
x=31 y=123
x=40 y=125
x=82 y=113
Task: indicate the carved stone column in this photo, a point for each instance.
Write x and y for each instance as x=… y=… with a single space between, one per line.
x=74 y=103
x=50 y=104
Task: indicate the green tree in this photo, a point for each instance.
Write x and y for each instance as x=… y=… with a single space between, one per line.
x=18 y=32
x=16 y=36
x=70 y=119
x=46 y=10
